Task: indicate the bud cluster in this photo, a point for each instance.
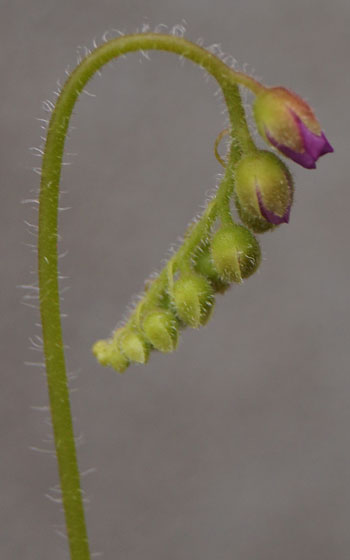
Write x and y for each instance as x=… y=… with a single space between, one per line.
x=231 y=255
x=209 y=262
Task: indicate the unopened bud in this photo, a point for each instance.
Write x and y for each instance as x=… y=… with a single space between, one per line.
x=204 y=265
x=264 y=191
x=132 y=345
x=108 y=354
x=235 y=252
x=160 y=328
x=193 y=299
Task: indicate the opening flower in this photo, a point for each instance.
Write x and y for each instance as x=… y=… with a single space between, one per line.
x=287 y=122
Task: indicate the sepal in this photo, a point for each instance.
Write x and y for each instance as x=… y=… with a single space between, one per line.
x=193 y=299
x=108 y=354
x=132 y=345
x=204 y=265
x=235 y=253
x=288 y=123
x=263 y=191
x=161 y=330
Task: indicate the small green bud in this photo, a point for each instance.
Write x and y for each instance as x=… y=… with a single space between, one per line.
x=160 y=328
x=263 y=191
x=117 y=360
x=235 y=253
x=204 y=266
x=101 y=350
x=108 y=354
x=193 y=298
x=132 y=345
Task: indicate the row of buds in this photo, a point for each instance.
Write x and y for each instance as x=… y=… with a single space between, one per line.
x=232 y=255
x=263 y=193
x=159 y=331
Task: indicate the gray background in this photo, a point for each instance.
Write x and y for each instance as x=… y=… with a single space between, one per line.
x=236 y=446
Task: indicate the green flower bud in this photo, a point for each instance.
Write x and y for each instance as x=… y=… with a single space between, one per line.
x=235 y=253
x=132 y=345
x=160 y=328
x=108 y=354
x=264 y=191
x=193 y=298
x=204 y=266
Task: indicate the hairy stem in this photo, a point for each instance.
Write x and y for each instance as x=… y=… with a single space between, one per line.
x=47 y=243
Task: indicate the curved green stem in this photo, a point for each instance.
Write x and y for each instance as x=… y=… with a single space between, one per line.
x=47 y=243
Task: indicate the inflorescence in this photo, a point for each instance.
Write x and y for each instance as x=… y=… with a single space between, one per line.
x=218 y=252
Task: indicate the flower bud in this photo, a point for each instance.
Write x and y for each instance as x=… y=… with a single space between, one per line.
x=108 y=354
x=235 y=253
x=193 y=298
x=264 y=191
x=287 y=122
x=132 y=345
x=204 y=266
x=160 y=328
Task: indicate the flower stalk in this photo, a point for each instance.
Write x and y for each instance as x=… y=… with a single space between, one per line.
x=48 y=238
x=188 y=281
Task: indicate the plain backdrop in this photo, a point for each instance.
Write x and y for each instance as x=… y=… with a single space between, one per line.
x=237 y=445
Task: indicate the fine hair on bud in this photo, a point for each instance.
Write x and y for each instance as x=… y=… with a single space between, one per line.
x=204 y=265
x=251 y=220
x=160 y=328
x=235 y=253
x=193 y=299
x=288 y=123
x=108 y=354
x=263 y=191
x=132 y=344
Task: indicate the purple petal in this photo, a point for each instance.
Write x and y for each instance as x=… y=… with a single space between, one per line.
x=271 y=216
x=327 y=148
x=303 y=158
x=314 y=145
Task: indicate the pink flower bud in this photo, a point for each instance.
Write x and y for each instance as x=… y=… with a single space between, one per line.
x=287 y=122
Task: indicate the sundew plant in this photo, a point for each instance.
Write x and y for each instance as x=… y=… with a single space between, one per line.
x=216 y=252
